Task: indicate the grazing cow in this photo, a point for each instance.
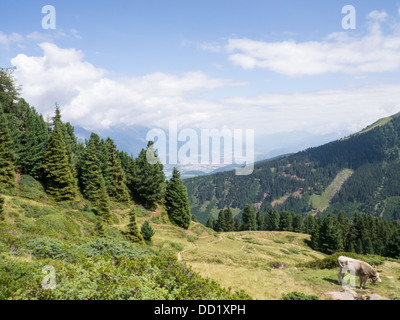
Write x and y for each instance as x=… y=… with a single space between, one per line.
x=357 y=268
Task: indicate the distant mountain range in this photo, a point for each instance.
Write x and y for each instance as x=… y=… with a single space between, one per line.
x=132 y=139
x=358 y=173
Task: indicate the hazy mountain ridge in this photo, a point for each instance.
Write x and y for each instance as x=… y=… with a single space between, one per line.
x=374 y=187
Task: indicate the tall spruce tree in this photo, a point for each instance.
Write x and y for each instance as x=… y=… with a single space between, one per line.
x=330 y=237
x=117 y=186
x=272 y=220
x=31 y=143
x=177 y=201
x=7 y=157
x=103 y=203
x=133 y=231
x=249 y=218
x=59 y=180
x=147 y=179
x=91 y=177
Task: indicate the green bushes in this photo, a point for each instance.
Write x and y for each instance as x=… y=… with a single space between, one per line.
x=331 y=261
x=155 y=276
x=298 y=296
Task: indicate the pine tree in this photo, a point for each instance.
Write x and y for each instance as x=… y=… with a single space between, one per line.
x=330 y=238
x=147 y=180
x=220 y=223
x=100 y=232
x=2 y=215
x=133 y=231
x=249 y=218
x=31 y=143
x=91 y=177
x=228 y=217
x=177 y=201
x=147 y=232
x=117 y=189
x=298 y=223
x=309 y=223
x=238 y=225
x=7 y=170
x=260 y=218
x=103 y=203
x=210 y=223
x=285 y=221
x=8 y=91
x=368 y=247
x=272 y=220
x=57 y=169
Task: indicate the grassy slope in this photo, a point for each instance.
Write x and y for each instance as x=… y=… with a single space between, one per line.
x=321 y=202
x=241 y=260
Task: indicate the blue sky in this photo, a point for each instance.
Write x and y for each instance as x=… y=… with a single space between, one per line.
x=274 y=66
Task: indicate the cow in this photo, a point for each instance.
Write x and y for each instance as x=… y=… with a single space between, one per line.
x=357 y=268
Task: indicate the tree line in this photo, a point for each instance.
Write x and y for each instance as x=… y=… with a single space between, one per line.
x=70 y=169
x=364 y=234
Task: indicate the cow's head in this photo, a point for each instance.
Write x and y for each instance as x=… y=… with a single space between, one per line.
x=376 y=278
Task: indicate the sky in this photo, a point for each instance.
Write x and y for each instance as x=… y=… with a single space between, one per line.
x=270 y=66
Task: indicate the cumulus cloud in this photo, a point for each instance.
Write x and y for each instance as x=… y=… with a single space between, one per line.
x=88 y=98
x=338 y=53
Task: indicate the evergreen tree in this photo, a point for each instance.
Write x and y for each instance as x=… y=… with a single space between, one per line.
x=309 y=223
x=177 y=201
x=57 y=169
x=297 y=223
x=7 y=170
x=148 y=179
x=228 y=217
x=330 y=238
x=220 y=223
x=103 y=203
x=249 y=218
x=272 y=220
x=100 y=232
x=8 y=91
x=260 y=218
x=210 y=223
x=238 y=225
x=147 y=232
x=91 y=177
x=285 y=221
x=117 y=189
x=31 y=143
x=368 y=247
x=344 y=227
x=133 y=231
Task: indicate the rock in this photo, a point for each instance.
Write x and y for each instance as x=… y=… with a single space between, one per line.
x=347 y=294
x=374 y=296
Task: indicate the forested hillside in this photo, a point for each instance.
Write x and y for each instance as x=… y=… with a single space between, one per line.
x=359 y=173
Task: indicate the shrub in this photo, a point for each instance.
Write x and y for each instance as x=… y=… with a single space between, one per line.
x=298 y=296
x=331 y=261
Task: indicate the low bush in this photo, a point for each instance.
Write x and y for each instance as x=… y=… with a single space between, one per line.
x=331 y=261
x=298 y=296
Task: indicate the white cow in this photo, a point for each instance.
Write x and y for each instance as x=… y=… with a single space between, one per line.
x=357 y=268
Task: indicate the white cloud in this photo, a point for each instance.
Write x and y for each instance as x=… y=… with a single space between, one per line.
x=88 y=98
x=378 y=15
x=338 y=53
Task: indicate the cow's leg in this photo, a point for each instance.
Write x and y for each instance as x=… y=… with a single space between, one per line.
x=340 y=275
